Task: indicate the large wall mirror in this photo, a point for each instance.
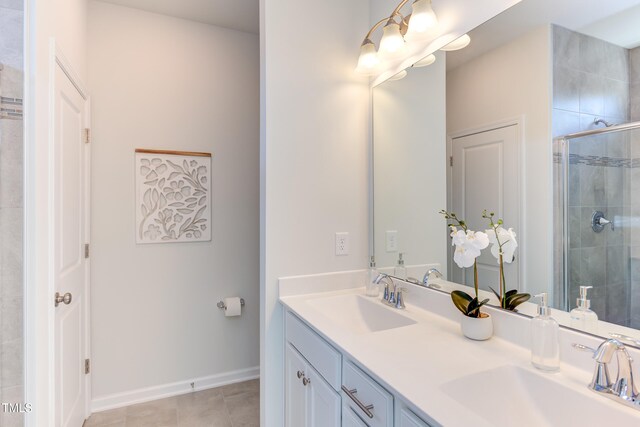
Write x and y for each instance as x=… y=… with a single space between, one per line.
x=480 y=128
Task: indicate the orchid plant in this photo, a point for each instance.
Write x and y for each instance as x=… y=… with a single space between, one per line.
x=503 y=247
x=468 y=246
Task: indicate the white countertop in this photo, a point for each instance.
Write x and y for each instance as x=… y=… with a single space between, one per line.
x=420 y=362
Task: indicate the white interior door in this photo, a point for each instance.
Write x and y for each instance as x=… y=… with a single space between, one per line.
x=485 y=175
x=70 y=267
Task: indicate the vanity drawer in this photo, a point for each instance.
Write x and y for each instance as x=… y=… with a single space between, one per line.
x=367 y=392
x=320 y=354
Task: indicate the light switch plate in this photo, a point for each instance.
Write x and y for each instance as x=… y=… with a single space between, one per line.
x=391 y=241
x=342 y=243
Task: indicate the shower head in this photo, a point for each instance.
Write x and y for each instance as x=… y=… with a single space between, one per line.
x=602 y=122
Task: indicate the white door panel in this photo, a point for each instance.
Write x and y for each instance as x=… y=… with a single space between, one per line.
x=485 y=175
x=70 y=274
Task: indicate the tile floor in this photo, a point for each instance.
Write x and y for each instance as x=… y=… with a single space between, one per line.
x=234 y=405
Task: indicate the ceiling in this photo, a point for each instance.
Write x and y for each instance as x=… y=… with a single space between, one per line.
x=235 y=14
x=613 y=21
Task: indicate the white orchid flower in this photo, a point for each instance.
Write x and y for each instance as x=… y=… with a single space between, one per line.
x=468 y=246
x=508 y=240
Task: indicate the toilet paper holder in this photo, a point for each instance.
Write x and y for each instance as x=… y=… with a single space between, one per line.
x=223 y=306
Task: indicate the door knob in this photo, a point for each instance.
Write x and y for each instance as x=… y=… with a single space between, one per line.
x=66 y=298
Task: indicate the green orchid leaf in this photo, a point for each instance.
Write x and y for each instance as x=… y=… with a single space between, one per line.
x=495 y=293
x=516 y=300
x=461 y=300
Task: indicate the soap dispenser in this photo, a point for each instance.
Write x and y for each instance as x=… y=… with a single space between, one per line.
x=372 y=289
x=545 y=347
x=400 y=271
x=582 y=317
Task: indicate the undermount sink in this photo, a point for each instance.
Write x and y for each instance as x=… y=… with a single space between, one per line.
x=360 y=314
x=509 y=395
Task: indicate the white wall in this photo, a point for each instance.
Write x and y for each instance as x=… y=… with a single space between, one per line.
x=165 y=83
x=515 y=80
x=62 y=21
x=314 y=157
x=409 y=140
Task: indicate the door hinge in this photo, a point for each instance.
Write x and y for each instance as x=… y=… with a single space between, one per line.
x=87 y=366
x=86 y=135
x=450 y=160
x=86 y=250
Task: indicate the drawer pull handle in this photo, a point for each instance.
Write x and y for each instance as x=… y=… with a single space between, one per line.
x=305 y=381
x=300 y=374
x=365 y=408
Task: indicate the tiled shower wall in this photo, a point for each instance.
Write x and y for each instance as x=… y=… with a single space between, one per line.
x=591 y=80
x=11 y=207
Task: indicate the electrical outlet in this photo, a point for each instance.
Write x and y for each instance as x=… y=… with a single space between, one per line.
x=342 y=243
x=391 y=241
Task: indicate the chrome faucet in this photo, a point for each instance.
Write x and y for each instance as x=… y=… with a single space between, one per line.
x=392 y=294
x=427 y=276
x=623 y=389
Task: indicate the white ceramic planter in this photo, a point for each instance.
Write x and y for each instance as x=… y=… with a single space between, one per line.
x=477 y=328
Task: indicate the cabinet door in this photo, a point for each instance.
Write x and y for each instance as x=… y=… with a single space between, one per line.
x=323 y=403
x=409 y=419
x=295 y=391
x=350 y=418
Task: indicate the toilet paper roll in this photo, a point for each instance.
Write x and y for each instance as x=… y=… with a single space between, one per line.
x=233 y=307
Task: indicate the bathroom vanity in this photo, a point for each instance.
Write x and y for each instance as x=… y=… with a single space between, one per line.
x=351 y=360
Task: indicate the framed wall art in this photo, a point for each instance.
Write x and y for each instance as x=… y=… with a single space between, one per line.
x=173 y=196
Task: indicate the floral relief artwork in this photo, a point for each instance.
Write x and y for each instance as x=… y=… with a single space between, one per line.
x=173 y=196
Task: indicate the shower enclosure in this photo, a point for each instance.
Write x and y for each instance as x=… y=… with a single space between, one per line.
x=597 y=219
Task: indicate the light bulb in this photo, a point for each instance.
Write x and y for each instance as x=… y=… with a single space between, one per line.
x=401 y=75
x=427 y=60
x=368 y=60
x=422 y=17
x=392 y=40
x=459 y=43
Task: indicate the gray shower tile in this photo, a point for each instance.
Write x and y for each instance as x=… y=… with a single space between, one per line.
x=574 y=185
x=614 y=185
x=12 y=395
x=11 y=251
x=634 y=101
x=11 y=46
x=618 y=304
x=592 y=266
x=591 y=94
x=11 y=363
x=574 y=273
x=588 y=237
x=634 y=65
x=618 y=267
x=566 y=47
x=592 y=189
x=575 y=219
x=592 y=55
x=615 y=236
x=615 y=62
x=11 y=318
x=566 y=88
x=565 y=122
x=616 y=99
x=12 y=4
x=617 y=145
x=11 y=164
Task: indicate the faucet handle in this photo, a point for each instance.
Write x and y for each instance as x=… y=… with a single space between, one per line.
x=399 y=298
x=584 y=348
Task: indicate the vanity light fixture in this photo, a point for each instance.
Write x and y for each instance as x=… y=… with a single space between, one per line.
x=427 y=60
x=421 y=19
x=459 y=43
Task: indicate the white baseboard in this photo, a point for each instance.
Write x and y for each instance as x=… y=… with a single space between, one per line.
x=119 y=400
